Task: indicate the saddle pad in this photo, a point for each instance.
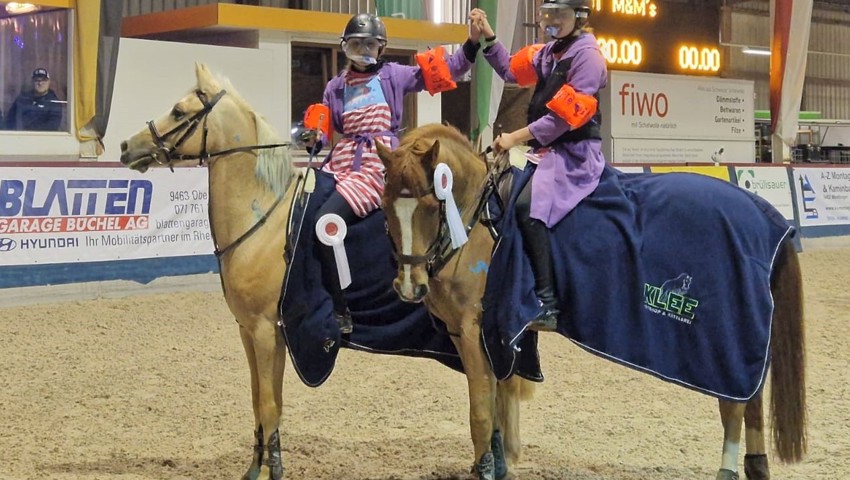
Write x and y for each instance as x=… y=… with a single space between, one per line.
x=665 y=273
x=382 y=322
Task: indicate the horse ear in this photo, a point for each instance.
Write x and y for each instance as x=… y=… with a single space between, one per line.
x=384 y=153
x=201 y=74
x=430 y=157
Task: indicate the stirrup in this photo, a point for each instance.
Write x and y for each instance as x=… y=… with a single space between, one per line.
x=547 y=321
x=344 y=321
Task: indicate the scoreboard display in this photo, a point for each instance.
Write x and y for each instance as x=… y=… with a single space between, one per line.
x=658 y=36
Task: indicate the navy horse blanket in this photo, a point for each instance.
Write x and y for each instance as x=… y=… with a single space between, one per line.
x=664 y=273
x=382 y=322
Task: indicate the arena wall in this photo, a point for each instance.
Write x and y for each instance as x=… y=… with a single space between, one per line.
x=172 y=249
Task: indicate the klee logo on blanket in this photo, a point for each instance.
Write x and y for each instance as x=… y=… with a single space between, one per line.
x=670 y=300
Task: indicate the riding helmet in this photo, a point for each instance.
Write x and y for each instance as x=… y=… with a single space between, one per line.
x=366 y=25
x=574 y=4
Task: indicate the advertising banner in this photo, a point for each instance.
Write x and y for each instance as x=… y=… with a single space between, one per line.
x=629 y=169
x=653 y=150
x=717 y=172
x=823 y=196
x=65 y=215
x=769 y=183
x=687 y=118
x=645 y=105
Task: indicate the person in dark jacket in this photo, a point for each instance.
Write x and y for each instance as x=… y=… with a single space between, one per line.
x=38 y=109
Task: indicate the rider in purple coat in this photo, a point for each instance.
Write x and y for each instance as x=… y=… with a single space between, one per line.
x=567 y=152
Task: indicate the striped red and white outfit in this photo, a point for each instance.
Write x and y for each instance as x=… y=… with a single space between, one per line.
x=366 y=119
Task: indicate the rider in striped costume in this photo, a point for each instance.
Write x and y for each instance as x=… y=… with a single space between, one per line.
x=364 y=103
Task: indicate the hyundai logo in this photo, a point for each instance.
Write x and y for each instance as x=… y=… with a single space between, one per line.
x=7 y=244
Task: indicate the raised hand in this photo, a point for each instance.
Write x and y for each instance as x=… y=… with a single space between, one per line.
x=482 y=23
x=474 y=22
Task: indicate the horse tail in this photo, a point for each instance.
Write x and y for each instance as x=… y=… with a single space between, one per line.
x=526 y=390
x=788 y=390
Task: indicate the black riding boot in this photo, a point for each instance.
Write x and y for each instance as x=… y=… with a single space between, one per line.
x=342 y=315
x=536 y=243
x=330 y=280
x=330 y=277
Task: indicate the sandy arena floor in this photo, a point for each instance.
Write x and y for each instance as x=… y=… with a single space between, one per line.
x=156 y=387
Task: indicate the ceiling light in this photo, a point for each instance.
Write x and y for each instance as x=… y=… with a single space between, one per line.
x=756 y=51
x=17 y=8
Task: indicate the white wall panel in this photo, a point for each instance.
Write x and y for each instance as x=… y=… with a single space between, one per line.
x=143 y=93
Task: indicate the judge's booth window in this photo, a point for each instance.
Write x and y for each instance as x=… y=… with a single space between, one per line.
x=34 y=70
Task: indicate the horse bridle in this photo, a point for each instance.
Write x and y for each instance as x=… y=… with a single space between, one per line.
x=440 y=250
x=188 y=128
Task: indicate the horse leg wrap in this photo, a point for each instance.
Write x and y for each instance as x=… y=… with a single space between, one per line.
x=254 y=470
x=498 y=448
x=725 y=474
x=485 y=468
x=273 y=459
x=756 y=467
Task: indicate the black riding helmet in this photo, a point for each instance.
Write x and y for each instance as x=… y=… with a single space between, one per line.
x=574 y=4
x=365 y=25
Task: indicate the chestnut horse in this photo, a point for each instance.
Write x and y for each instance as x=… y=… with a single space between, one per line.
x=252 y=185
x=415 y=223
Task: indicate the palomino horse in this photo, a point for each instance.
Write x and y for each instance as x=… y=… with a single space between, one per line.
x=416 y=225
x=251 y=186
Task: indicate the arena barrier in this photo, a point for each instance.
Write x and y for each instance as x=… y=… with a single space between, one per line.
x=63 y=225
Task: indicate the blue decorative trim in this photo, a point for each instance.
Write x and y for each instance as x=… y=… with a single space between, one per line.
x=822 y=231
x=143 y=271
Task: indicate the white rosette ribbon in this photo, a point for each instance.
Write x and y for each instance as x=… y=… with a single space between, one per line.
x=443 y=181
x=331 y=230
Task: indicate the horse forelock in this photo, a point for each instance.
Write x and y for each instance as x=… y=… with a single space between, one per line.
x=408 y=174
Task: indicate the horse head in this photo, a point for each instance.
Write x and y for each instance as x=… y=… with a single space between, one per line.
x=415 y=216
x=207 y=121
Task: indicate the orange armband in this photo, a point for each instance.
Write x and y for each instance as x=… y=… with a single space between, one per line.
x=522 y=65
x=435 y=70
x=318 y=117
x=575 y=108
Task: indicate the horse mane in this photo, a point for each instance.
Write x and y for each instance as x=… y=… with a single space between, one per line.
x=423 y=138
x=455 y=150
x=274 y=165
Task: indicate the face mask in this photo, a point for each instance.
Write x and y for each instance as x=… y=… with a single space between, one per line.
x=362 y=52
x=362 y=59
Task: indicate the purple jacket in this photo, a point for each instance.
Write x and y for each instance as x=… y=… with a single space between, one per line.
x=396 y=81
x=569 y=171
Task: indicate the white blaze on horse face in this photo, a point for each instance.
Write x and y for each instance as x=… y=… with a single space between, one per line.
x=404 y=208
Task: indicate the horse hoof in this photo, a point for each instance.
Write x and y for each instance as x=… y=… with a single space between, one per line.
x=756 y=467
x=486 y=467
x=252 y=474
x=724 y=474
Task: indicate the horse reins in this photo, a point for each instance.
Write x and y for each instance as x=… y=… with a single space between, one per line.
x=188 y=128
